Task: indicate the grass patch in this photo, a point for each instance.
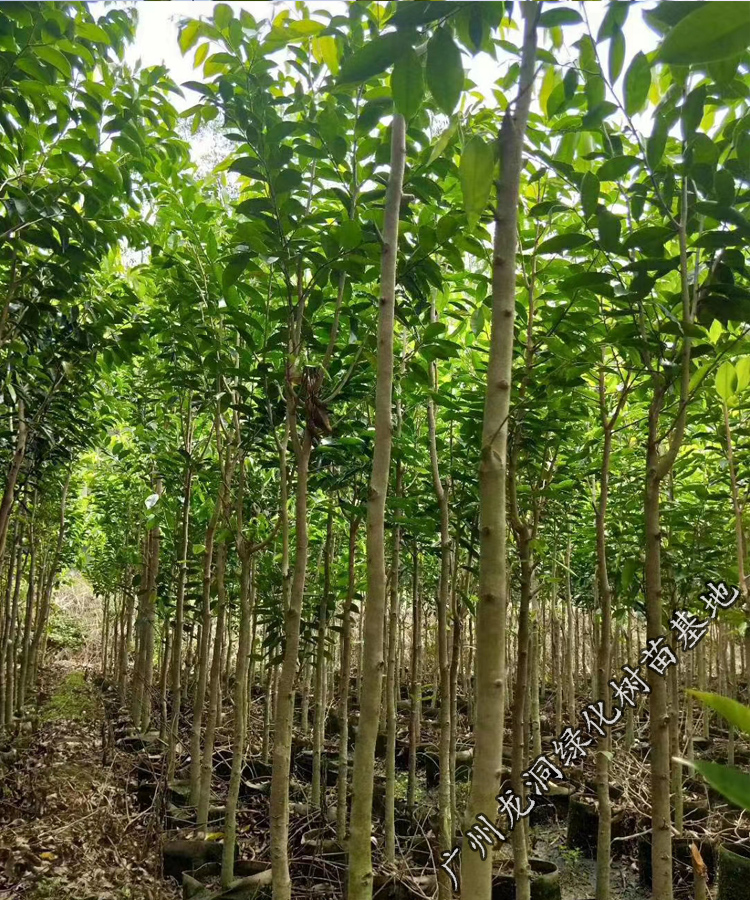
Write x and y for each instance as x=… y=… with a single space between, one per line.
x=72 y=701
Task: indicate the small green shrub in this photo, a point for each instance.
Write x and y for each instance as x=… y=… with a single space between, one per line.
x=64 y=631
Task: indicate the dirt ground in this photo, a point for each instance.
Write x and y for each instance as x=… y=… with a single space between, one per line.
x=67 y=827
x=70 y=829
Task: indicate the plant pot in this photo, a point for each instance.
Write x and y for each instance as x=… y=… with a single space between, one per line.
x=179 y=793
x=583 y=822
x=303 y=766
x=545 y=882
x=583 y=826
x=185 y=856
x=320 y=842
x=560 y=797
x=734 y=872
x=194 y=884
x=682 y=859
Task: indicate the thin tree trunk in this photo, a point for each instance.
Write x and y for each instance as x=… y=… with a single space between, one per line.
x=476 y=882
x=744 y=580
x=443 y=659
x=521 y=868
x=658 y=466
x=179 y=620
x=570 y=661
x=390 y=687
x=320 y=665
x=164 y=682
x=28 y=618
x=203 y=647
x=346 y=657
x=43 y=611
x=282 y=748
x=204 y=797
x=147 y=672
x=10 y=659
x=240 y=718
x=415 y=718
x=360 y=876
x=6 y=504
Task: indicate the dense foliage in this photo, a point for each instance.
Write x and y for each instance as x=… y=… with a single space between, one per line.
x=180 y=353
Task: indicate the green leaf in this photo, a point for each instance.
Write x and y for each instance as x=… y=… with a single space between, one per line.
x=616 y=55
x=246 y=165
x=548 y=84
x=713 y=31
x=743 y=373
x=735 y=713
x=728 y=781
x=445 y=71
x=189 y=35
x=477 y=320
x=559 y=15
x=699 y=374
x=609 y=229
x=629 y=569
x=585 y=280
x=442 y=142
x=110 y=171
x=589 y=193
x=656 y=144
x=616 y=168
x=568 y=241
x=304 y=28
x=53 y=56
x=407 y=84
x=724 y=187
x=90 y=32
x=223 y=15
x=420 y=12
x=374 y=57
x=446 y=227
x=637 y=84
x=326 y=51
x=726 y=381
x=287 y=181
x=349 y=234
x=614 y=19
x=692 y=111
x=476 y=170
x=200 y=55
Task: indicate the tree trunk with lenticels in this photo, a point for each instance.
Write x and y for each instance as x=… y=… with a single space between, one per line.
x=360 y=880
x=476 y=880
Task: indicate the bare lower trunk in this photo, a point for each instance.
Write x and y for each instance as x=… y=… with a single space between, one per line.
x=40 y=630
x=203 y=655
x=240 y=723
x=360 y=876
x=179 y=619
x=204 y=797
x=346 y=654
x=415 y=718
x=6 y=504
x=659 y=719
x=320 y=667
x=390 y=693
x=570 y=662
x=10 y=659
x=521 y=869
x=28 y=618
x=282 y=748
x=476 y=882
x=443 y=659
